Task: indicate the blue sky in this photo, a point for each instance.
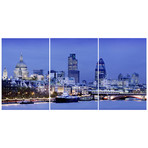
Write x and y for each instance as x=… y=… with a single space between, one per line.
x=124 y=56
x=35 y=54
x=86 y=51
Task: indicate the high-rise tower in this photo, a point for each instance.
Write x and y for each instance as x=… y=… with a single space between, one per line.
x=73 y=67
x=96 y=72
x=120 y=77
x=135 y=79
x=102 y=70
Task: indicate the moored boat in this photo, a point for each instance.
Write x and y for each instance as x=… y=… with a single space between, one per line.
x=26 y=102
x=65 y=98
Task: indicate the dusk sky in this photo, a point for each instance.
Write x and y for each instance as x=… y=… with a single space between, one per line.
x=86 y=51
x=35 y=54
x=124 y=56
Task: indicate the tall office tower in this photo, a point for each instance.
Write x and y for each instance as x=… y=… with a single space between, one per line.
x=20 y=70
x=120 y=77
x=5 y=74
x=128 y=77
x=135 y=79
x=96 y=72
x=73 y=67
x=102 y=70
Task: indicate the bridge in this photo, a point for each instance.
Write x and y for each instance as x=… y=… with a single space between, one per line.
x=117 y=95
x=122 y=96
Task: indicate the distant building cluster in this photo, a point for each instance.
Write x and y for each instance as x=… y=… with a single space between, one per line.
x=123 y=84
x=36 y=82
x=61 y=83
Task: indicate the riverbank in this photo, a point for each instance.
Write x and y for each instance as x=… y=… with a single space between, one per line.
x=18 y=100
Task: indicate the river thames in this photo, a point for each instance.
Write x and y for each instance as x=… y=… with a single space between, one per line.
x=36 y=106
x=122 y=105
x=81 y=105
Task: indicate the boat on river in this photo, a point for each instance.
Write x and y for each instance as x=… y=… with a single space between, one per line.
x=65 y=98
x=26 y=102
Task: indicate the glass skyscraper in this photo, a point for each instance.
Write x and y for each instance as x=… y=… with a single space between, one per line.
x=73 y=67
x=102 y=70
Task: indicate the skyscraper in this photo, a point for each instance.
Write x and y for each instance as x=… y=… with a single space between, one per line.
x=102 y=70
x=120 y=77
x=135 y=79
x=73 y=67
x=96 y=72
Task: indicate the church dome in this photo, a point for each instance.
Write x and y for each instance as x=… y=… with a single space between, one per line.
x=21 y=64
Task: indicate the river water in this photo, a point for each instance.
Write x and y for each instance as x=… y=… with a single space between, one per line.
x=81 y=105
x=36 y=106
x=122 y=105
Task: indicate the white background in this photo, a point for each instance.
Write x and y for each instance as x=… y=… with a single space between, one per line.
x=77 y=18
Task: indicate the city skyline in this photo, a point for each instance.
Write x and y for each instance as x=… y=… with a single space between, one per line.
x=86 y=50
x=35 y=53
x=124 y=56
